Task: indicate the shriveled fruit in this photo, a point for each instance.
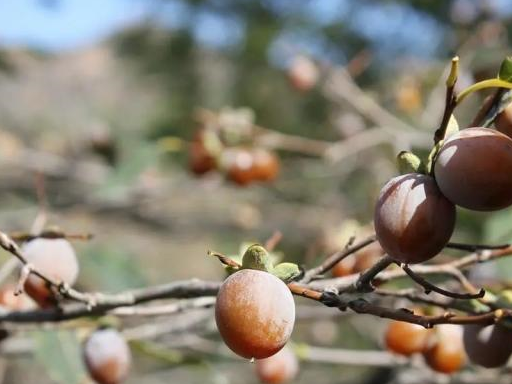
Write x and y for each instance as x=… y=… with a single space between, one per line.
x=255 y=313
x=107 y=356
x=503 y=121
x=445 y=352
x=413 y=220
x=473 y=169
x=279 y=368
x=406 y=338
x=265 y=165
x=488 y=345
x=53 y=257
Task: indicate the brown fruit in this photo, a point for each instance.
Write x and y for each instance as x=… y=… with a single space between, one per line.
x=13 y=302
x=107 y=356
x=55 y=258
x=406 y=338
x=255 y=313
x=345 y=267
x=445 y=353
x=279 y=368
x=503 y=121
x=265 y=165
x=200 y=160
x=413 y=220
x=303 y=73
x=474 y=168
x=239 y=163
x=489 y=346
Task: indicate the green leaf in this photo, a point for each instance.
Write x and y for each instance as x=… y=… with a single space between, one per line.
x=60 y=354
x=286 y=271
x=505 y=72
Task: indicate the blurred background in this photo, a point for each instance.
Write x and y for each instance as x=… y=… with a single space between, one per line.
x=100 y=99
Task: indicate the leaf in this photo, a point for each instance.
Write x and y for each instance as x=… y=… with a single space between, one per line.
x=60 y=354
x=286 y=271
x=505 y=72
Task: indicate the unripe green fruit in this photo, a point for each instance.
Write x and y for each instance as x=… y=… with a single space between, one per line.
x=413 y=220
x=255 y=313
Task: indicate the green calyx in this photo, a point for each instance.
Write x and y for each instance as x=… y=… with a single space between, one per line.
x=257 y=257
x=408 y=162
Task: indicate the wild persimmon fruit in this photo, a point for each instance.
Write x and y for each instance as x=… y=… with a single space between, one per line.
x=503 y=121
x=53 y=257
x=12 y=302
x=107 y=356
x=303 y=73
x=473 y=169
x=445 y=351
x=239 y=164
x=279 y=368
x=265 y=165
x=255 y=313
x=488 y=345
x=200 y=159
x=405 y=338
x=344 y=267
x=413 y=220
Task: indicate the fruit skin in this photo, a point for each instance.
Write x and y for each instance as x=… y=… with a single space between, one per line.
x=406 y=338
x=280 y=368
x=255 y=313
x=489 y=346
x=473 y=169
x=53 y=257
x=345 y=267
x=12 y=302
x=446 y=351
x=303 y=74
x=200 y=160
x=107 y=356
x=503 y=121
x=413 y=220
x=265 y=165
x=239 y=163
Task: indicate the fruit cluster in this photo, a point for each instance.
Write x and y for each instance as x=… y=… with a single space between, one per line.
x=228 y=146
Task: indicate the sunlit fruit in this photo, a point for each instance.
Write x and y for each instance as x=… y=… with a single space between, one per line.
x=53 y=257
x=413 y=220
x=239 y=165
x=200 y=160
x=344 y=267
x=406 y=338
x=303 y=73
x=473 y=169
x=265 y=164
x=279 y=368
x=445 y=352
x=107 y=356
x=503 y=121
x=488 y=345
x=12 y=302
x=255 y=313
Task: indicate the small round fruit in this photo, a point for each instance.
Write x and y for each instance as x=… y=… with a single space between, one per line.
x=200 y=160
x=279 y=368
x=406 y=338
x=489 y=346
x=239 y=163
x=55 y=258
x=445 y=352
x=413 y=220
x=303 y=73
x=107 y=356
x=255 y=313
x=503 y=121
x=368 y=256
x=265 y=165
x=473 y=169
x=12 y=302
x=345 y=267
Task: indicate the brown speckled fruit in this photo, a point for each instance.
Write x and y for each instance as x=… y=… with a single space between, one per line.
x=445 y=353
x=279 y=368
x=54 y=257
x=474 y=168
x=413 y=220
x=406 y=338
x=255 y=313
x=107 y=356
x=489 y=346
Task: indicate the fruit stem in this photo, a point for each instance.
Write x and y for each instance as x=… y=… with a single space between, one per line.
x=489 y=83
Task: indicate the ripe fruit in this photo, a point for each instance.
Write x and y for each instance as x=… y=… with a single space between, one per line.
x=12 y=302
x=473 y=169
x=303 y=73
x=200 y=160
x=413 y=220
x=345 y=267
x=239 y=163
x=279 y=368
x=489 y=346
x=107 y=356
x=55 y=258
x=265 y=165
x=406 y=338
x=445 y=353
x=503 y=121
x=255 y=313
